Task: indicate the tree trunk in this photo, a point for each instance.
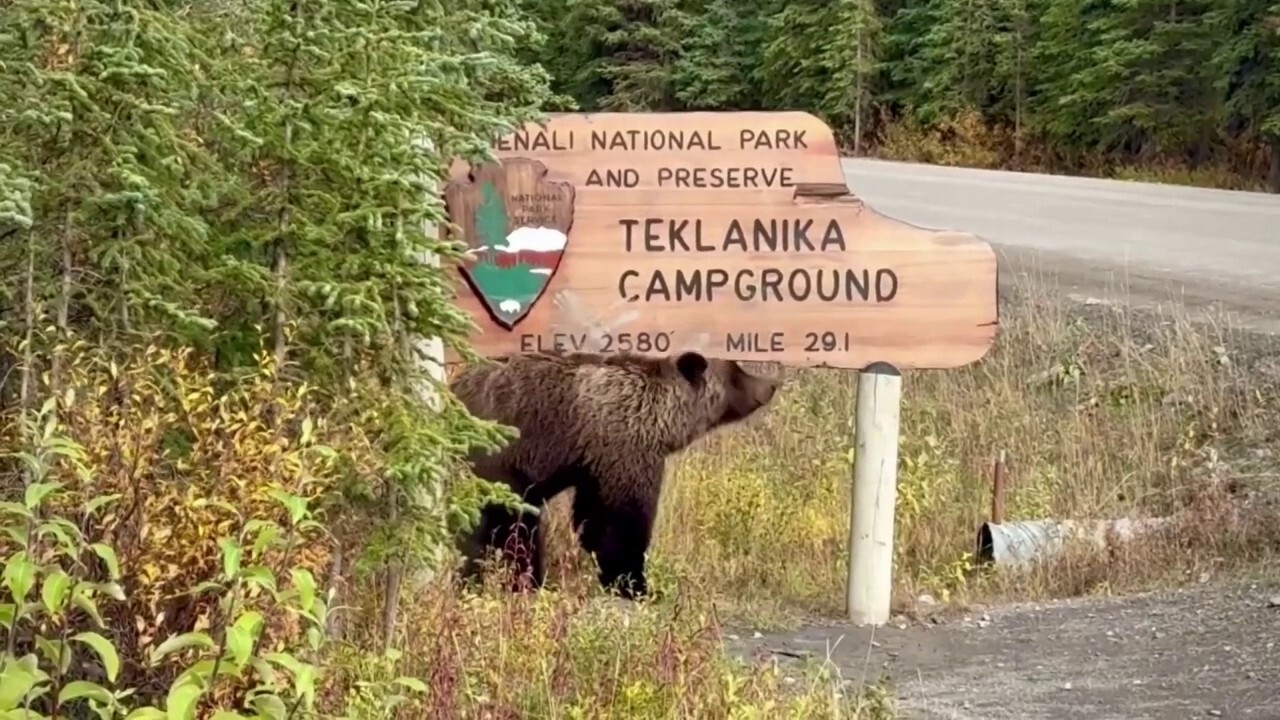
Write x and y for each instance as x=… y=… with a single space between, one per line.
x=857 y=103
x=26 y=397
x=1273 y=178
x=1019 y=90
x=281 y=264
x=64 y=300
x=394 y=574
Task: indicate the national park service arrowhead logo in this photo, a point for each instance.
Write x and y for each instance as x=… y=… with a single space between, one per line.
x=516 y=223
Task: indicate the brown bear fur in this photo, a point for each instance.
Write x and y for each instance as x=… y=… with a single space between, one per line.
x=603 y=425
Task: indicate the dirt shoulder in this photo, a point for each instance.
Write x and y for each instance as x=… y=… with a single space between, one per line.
x=1212 y=650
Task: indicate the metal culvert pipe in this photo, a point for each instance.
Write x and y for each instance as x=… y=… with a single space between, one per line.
x=1017 y=544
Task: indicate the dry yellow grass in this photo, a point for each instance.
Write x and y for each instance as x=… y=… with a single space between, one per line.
x=1102 y=413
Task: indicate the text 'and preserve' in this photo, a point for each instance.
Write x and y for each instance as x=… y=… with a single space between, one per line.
x=671 y=142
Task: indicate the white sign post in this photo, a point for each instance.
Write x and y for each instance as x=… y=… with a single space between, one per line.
x=875 y=492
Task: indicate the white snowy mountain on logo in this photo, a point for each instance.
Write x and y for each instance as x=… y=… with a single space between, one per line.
x=539 y=239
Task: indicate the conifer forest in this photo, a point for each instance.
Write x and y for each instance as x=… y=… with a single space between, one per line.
x=1180 y=87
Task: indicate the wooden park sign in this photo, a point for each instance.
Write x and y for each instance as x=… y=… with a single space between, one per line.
x=732 y=234
x=728 y=233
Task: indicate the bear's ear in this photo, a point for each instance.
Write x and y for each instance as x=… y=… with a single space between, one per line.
x=691 y=365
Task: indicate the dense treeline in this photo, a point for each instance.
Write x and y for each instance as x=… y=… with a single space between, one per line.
x=1057 y=85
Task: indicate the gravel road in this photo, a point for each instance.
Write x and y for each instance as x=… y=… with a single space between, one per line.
x=1210 y=651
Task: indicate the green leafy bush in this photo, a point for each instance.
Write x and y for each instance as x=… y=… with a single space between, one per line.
x=61 y=582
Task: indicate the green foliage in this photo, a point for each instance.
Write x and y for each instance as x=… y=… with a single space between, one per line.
x=618 y=56
x=93 y=97
x=643 y=45
x=335 y=148
x=49 y=665
x=1133 y=77
x=1247 y=64
x=720 y=56
x=241 y=180
x=944 y=56
x=821 y=56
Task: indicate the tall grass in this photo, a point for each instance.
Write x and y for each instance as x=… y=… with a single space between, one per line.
x=573 y=653
x=1101 y=413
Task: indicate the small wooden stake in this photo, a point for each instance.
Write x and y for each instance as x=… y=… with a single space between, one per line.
x=999 y=478
x=875 y=493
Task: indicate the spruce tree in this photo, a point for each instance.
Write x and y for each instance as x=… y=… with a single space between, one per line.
x=574 y=50
x=1071 y=86
x=93 y=119
x=344 y=117
x=615 y=56
x=1149 y=66
x=852 y=48
x=1247 y=74
x=721 y=51
x=822 y=57
x=1015 y=37
x=944 y=56
x=643 y=50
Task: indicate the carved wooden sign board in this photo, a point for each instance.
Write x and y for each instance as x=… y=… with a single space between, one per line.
x=728 y=233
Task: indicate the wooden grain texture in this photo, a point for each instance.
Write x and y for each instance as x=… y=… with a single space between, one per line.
x=755 y=157
x=940 y=313
x=524 y=187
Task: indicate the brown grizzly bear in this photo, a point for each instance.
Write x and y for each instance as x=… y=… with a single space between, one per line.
x=603 y=425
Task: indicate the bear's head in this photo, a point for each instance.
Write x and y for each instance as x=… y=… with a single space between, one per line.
x=723 y=392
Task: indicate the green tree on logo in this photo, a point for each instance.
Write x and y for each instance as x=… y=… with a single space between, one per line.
x=491 y=219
